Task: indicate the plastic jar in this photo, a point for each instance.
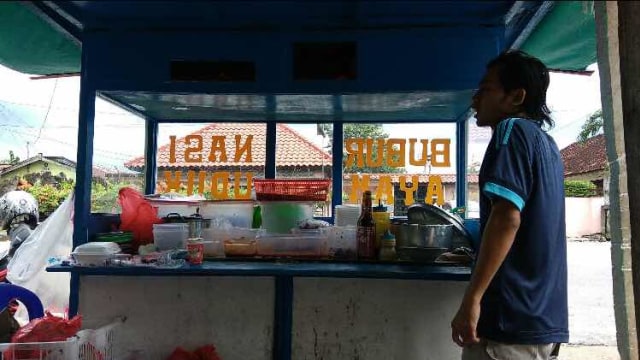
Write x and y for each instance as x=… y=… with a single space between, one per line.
x=387 y=247
x=383 y=222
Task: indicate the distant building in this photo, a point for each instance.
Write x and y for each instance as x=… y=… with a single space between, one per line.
x=587 y=161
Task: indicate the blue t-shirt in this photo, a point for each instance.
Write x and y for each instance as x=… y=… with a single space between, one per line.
x=526 y=302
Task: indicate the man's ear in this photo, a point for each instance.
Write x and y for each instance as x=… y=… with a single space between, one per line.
x=518 y=97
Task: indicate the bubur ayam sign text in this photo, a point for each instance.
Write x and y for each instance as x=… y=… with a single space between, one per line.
x=361 y=152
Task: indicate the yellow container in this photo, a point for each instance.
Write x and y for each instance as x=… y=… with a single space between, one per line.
x=383 y=222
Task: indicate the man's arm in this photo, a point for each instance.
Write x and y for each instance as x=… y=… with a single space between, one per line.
x=499 y=234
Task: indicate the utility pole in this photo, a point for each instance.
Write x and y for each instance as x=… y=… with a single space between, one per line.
x=27 y=149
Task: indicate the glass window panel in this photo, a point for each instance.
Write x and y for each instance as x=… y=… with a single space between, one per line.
x=216 y=160
x=478 y=139
x=304 y=151
x=118 y=139
x=388 y=158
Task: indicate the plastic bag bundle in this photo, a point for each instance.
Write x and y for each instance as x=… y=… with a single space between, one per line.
x=138 y=216
x=53 y=238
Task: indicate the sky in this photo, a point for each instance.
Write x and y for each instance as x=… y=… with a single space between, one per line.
x=41 y=116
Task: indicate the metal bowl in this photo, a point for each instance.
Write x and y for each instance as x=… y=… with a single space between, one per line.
x=424 y=236
x=420 y=254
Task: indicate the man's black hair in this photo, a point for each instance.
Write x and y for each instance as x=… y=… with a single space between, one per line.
x=518 y=70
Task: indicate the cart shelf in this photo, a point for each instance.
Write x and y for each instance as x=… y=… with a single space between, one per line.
x=293 y=269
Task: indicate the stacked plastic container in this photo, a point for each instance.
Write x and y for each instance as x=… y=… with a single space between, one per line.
x=170 y=236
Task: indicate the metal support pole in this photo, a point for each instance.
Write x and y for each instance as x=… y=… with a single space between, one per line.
x=82 y=200
x=151 y=147
x=461 y=162
x=270 y=153
x=283 y=318
x=336 y=153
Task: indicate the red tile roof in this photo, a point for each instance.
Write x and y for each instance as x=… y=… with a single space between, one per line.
x=580 y=158
x=292 y=148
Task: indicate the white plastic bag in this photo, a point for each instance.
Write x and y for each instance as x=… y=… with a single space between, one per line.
x=53 y=238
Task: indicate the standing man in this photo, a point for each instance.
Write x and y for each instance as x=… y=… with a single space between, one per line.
x=515 y=307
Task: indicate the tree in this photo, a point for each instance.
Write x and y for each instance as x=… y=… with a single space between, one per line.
x=362 y=131
x=13 y=159
x=592 y=126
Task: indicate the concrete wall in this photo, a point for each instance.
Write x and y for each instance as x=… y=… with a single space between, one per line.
x=612 y=69
x=333 y=319
x=583 y=216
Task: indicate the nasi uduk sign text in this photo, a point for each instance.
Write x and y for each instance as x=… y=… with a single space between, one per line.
x=360 y=152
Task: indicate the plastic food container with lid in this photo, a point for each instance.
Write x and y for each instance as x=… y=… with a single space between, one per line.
x=170 y=236
x=94 y=253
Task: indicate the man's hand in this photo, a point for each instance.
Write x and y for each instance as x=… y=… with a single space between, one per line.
x=463 y=325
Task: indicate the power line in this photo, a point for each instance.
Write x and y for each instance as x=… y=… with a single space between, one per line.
x=46 y=115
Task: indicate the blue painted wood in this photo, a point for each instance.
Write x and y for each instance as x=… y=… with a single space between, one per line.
x=74 y=295
x=283 y=318
x=66 y=24
x=461 y=163
x=82 y=200
x=271 y=138
x=84 y=165
x=401 y=60
x=150 y=150
x=278 y=16
x=336 y=154
x=280 y=268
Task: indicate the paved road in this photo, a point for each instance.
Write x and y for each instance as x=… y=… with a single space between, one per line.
x=591 y=319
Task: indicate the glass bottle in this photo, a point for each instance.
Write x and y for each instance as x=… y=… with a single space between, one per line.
x=366 y=231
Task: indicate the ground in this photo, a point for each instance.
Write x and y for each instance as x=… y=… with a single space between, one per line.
x=591 y=320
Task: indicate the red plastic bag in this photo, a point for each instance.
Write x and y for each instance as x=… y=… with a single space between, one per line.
x=207 y=352
x=45 y=329
x=138 y=216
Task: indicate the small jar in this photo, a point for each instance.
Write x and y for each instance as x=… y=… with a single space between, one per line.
x=388 y=247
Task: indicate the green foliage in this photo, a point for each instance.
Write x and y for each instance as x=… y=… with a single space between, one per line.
x=578 y=188
x=592 y=126
x=12 y=159
x=50 y=196
x=364 y=131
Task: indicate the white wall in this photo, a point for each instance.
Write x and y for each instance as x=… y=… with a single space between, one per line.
x=583 y=216
x=333 y=319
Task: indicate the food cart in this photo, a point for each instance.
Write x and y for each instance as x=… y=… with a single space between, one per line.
x=353 y=62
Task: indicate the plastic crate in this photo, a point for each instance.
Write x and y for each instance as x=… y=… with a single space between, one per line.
x=86 y=345
x=292 y=189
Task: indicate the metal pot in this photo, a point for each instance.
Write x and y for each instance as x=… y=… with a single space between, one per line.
x=174 y=218
x=196 y=223
x=424 y=236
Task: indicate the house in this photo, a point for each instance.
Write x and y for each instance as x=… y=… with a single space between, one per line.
x=587 y=161
x=56 y=166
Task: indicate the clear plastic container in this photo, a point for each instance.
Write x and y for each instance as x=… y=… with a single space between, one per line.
x=342 y=242
x=213 y=239
x=279 y=217
x=237 y=213
x=170 y=236
x=293 y=245
x=240 y=242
